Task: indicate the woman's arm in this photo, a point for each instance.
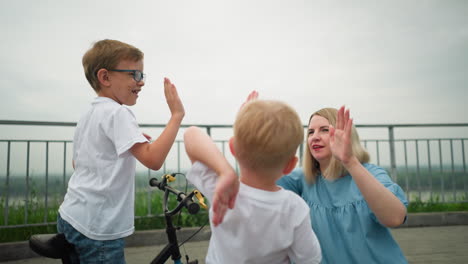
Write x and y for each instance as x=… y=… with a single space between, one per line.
x=388 y=209
x=292 y=181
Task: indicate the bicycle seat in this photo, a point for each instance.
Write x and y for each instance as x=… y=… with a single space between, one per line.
x=50 y=245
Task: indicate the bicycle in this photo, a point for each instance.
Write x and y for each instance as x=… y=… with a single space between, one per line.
x=57 y=247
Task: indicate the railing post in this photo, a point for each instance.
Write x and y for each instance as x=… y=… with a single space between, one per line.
x=46 y=199
x=26 y=201
x=7 y=186
x=301 y=153
x=391 y=141
x=64 y=176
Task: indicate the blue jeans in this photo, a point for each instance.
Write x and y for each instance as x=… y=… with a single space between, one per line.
x=89 y=251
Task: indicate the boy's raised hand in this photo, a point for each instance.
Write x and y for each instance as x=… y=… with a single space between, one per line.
x=252 y=96
x=200 y=147
x=148 y=137
x=227 y=186
x=224 y=196
x=172 y=98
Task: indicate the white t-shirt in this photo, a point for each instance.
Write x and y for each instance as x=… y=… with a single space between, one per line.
x=264 y=227
x=100 y=197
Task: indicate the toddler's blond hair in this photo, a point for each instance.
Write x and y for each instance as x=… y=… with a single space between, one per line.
x=267 y=134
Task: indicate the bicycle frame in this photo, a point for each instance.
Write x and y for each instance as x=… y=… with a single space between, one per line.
x=172 y=248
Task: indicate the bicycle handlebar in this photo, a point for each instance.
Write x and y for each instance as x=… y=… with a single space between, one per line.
x=184 y=200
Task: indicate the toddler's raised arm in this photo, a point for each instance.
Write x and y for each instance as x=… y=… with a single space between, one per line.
x=200 y=147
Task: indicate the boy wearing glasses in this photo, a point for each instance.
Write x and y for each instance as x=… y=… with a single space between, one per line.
x=98 y=208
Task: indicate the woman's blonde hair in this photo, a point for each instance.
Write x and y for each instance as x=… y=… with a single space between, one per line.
x=335 y=169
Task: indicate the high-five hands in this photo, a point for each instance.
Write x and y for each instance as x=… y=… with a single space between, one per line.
x=252 y=96
x=340 y=136
x=227 y=186
x=172 y=98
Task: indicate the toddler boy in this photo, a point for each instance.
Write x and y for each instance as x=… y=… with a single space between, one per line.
x=268 y=224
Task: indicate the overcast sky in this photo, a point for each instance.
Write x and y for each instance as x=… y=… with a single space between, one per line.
x=389 y=61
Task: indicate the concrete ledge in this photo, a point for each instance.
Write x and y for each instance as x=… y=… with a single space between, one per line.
x=436 y=219
x=15 y=251
x=21 y=250
x=158 y=237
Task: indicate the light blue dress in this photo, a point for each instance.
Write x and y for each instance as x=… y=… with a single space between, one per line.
x=345 y=226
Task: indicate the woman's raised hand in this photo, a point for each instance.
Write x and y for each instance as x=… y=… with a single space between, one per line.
x=340 y=136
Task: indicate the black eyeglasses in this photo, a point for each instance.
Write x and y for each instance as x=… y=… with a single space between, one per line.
x=138 y=76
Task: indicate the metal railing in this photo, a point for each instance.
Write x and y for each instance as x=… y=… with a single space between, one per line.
x=35 y=172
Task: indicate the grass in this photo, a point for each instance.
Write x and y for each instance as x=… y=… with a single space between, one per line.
x=144 y=219
x=36 y=215
x=434 y=205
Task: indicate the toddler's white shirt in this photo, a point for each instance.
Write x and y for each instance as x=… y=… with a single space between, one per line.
x=264 y=227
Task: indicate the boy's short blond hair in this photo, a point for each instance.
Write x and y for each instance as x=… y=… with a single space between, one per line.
x=266 y=134
x=107 y=54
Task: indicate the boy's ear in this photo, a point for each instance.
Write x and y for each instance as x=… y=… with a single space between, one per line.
x=231 y=146
x=290 y=165
x=103 y=77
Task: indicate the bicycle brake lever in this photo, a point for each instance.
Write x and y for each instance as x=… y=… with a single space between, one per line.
x=200 y=198
x=169 y=177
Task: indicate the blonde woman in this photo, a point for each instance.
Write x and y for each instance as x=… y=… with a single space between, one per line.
x=353 y=203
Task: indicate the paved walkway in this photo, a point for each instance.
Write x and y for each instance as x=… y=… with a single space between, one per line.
x=446 y=244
